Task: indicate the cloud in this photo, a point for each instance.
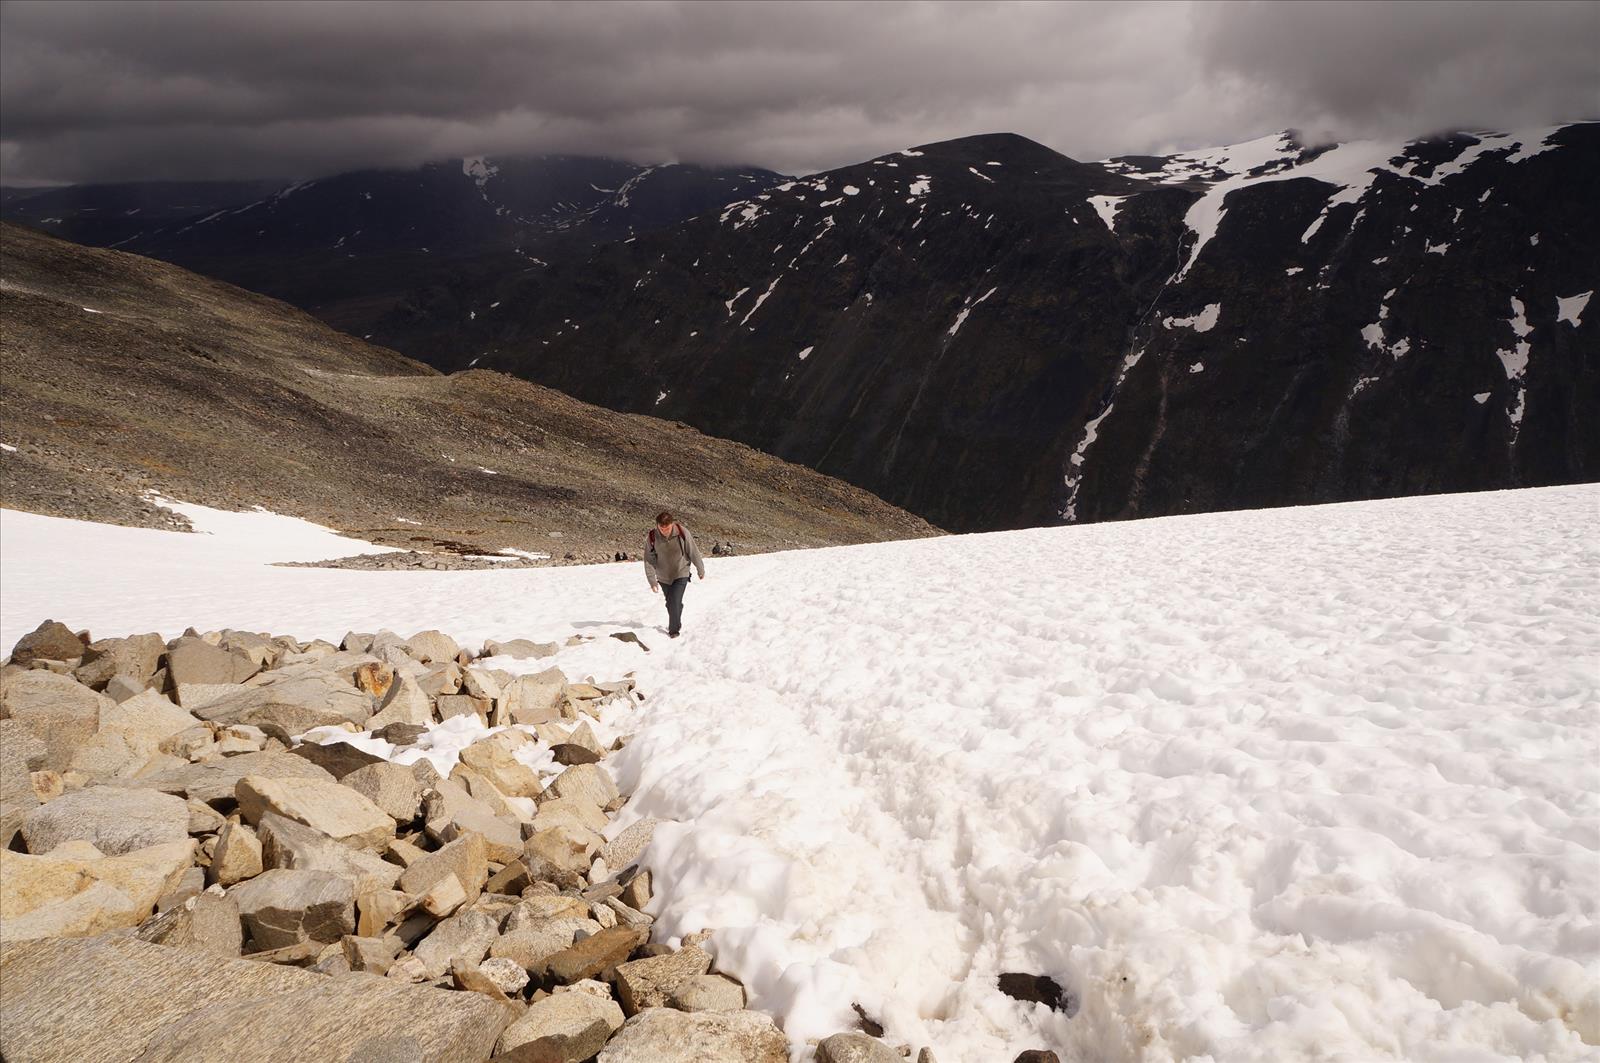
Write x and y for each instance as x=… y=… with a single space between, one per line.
x=120 y=91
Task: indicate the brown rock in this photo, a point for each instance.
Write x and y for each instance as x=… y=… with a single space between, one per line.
x=50 y=641
x=594 y=955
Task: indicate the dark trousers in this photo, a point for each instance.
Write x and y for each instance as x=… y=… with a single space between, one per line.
x=674 y=595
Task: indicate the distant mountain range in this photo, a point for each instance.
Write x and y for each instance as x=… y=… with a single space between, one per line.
x=988 y=333
x=391 y=255
x=993 y=335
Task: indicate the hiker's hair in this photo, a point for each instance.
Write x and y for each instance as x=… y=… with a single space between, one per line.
x=663 y=518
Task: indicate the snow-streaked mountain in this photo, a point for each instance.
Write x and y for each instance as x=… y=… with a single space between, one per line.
x=1313 y=783
x=385 y=253
x=991 y=334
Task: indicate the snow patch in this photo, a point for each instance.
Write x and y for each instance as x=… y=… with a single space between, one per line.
x=1204 y=321
x=1570 y=308
x=1107 y=207
x=803 y=355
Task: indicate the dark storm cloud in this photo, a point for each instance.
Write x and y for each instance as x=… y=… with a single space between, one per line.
x=103 y=91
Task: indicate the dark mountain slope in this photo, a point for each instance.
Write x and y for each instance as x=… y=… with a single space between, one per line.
x=399 y=256
x=994 y=335
x=123 y=375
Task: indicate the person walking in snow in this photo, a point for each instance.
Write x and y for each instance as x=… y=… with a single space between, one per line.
x=669 y=551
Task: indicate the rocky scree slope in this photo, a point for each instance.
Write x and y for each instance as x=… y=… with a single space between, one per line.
x=395 y=256
x=993 y=335
x=123 y=376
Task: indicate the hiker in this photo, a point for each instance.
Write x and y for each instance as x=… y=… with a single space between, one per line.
x=669 y=550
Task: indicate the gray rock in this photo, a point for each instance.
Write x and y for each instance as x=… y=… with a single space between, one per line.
x=588 y=782
x=191 y=883
x=707 y=992
x=59 y=711
x=564 y=1028
x=662 y=1035
x=649 y=982
x=356 y=642
x=214 y=782
x=130 y=733
x=521 y=649
x=120 y=688
x=531 y=699
x=281 y=907
x=449 y=812
x=50 y=641
x=134 y=659
x=293 y=705
x=561 y=854
x=193 y=660
x=17 y=796
x=466 y=857
x=533 y=943
x=112 y=819
x=432 y=647
x=337 y=811
x=450 y=705
x=335 y=757
x=459 y=941
x=405 y=703
x=206 y=922
x=371 y=954
x=442 y=679
x=392 y=787
x=295 y=846
x=121 y=1001
x=855 y=1048
x=508 y=976
x=236 y=856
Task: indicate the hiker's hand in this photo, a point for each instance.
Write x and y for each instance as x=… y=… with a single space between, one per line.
x=655 y=590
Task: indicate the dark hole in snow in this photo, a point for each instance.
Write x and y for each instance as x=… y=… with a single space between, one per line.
x=1038 y=989
x=869 y=1026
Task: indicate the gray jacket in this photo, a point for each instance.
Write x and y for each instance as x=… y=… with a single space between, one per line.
x=667 y=558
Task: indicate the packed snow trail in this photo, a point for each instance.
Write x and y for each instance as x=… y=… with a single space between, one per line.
x=1302 y=783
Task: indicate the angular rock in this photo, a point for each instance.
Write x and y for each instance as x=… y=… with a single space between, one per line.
x=134 y=659
x=206 y=922
x=57 y=709
x=337 y=811
x=196 y=696
x=112 y=819
x=237 y=855
x=236 y=738
x=481 y=683
x=561 y=854
x=400 y=734
x=1035 y=989
x=215 y=782
x=593 y=955
x=538 y=907
x=335 y=757
x=507 y=975
x=587 y=782
x=288 y=844
x=570 y=754
x=405 y=703
x=855 y=1048
x=76 y=891
x=1037 y=1055
x=129 y=734
x=521 y=649
x=120 y=688
x=121 y=1000
x=459 y=941
x=649 y=982
x=495 y=759
x=449 y=812
x=281 y=907
x=466 y=857
x=392 y=787
x=17 y=796
x=371 y=954
x=442 y=898
x=193 y=660
x=636 y=894
x=564 y=1028
x=451 y=705
x=50 y=641
x=533 y=944
x=431 y=647
x=662 y=1035
x=374 y=678
x=190 y=884
x=441 y=679
x=533 y=699
x=293 y=704
x=707 y=992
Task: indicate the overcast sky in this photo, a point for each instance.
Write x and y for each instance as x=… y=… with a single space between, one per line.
x=122 y=91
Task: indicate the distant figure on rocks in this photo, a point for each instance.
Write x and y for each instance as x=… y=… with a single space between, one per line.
x=669 y=551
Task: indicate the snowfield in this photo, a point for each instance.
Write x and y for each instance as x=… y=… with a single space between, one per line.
x=1317 y=783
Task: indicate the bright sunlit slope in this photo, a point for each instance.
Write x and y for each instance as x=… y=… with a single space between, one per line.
x=1303 y=783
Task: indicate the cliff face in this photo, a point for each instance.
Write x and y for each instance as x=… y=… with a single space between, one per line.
x=993 y=335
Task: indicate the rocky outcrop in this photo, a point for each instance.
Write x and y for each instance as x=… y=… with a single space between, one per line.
x=231 y=840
